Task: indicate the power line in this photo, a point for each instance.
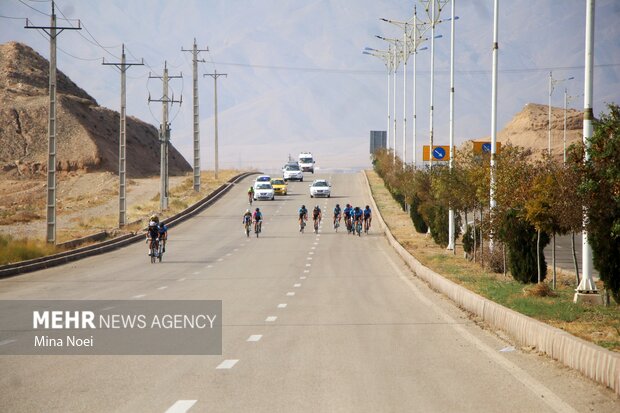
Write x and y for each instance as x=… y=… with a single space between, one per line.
x=33 y=8
x=13 y=18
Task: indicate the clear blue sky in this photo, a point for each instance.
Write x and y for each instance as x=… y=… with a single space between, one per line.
x=297 y=80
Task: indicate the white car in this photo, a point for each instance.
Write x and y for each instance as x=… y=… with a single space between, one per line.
x=320 y=187
x=263 y=178
x=263 y=190
x=292 y=172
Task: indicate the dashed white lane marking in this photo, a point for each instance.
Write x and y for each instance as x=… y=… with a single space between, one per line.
x=236 y=249
x=313 y=248
x=227 y=364
x=220 y=259
x=107 y=308
x=196 y=273
x=182 y=279
x=316 y=243
x=290 y=293
x=308 y=265
x=311 y=253
x=210 y=266
x=139 y=296
x=229 y=254
x=10 y=340
x=181 y=406
x=271 y=318
x=283 y=305
x=297 y=285
x=302 y=277
x=163 y=287
x=306 y=271
x=309 y=258
x=241 y=245
x=255 y=337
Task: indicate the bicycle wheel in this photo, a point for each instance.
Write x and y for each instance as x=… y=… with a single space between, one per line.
x=153 y=257
x=247 y=230
x=160 y=252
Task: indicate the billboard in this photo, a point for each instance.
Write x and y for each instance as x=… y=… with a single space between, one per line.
x=378 y=140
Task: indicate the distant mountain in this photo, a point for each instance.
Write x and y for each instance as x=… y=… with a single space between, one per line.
x=529 y=129
x=87 y=134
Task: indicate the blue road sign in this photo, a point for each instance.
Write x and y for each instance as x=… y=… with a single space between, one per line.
x=486 y=147
x=439 y=153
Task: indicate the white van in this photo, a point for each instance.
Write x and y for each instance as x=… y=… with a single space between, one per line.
x=306 y=162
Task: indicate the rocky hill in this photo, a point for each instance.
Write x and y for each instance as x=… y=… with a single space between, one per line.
x=529 y=129
x=87 y=134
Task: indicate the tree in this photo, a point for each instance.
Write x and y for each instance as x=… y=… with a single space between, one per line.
x=601 y=190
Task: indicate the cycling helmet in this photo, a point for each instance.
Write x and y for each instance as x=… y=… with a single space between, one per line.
x=337 y=205
x=367 y=207
x=247 y=211
x=154 y=218
x=303 y=207
x=152 y=223
x=317 y=207
x=257 y=209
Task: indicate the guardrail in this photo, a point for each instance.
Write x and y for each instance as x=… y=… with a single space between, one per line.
x=49 y=261
x=594 y=362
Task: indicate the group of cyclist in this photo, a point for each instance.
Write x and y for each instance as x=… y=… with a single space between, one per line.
x=354 y=218
x=249 y=218
x=156 y=233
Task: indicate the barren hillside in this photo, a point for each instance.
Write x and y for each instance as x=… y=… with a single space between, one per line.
x=87 y=134
x=529 y=129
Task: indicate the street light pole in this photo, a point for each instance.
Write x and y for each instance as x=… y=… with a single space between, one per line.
x=492 y=203
x=451 y=223
x=586 y=291
x=552 y=83
x=385 y=56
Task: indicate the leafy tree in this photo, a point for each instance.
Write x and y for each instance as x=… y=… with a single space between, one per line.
x=601 y=190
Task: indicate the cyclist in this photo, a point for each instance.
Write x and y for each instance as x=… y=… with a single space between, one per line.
x=251 y=194
x=367 y=218
x=357 y=218
x=316 y=217
x=303 y=216
x=163 y=236
x=152 y=233
x=347 y=216
x=258 y=218
x=246 y=220
x=337 y=215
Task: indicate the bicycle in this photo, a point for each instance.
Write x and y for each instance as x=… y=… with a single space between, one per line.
x=154 y=251
x=347 y=222
x=250 y=197
x=316 y=225
x=247 y=228
x=161 y=248
x=358 y=228
x=366 y=225
x=257 y=227
x=336 y=223
x=302 y=225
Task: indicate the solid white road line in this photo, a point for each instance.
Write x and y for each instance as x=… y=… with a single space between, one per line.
x=271 y=318
x=227 y=364
x=181 y=406
x=283 y=305
x=255 y=337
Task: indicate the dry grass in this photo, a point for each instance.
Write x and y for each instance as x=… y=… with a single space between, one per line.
x=598 y=324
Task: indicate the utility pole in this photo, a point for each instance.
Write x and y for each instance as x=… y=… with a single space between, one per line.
x=122 y=170
x=215 y=75
x=451 y=220
x=195 y=61
x=492 y=203
x=164 y=134
x=52 y=31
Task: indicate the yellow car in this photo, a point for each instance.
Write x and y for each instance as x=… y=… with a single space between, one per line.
x=279 y=186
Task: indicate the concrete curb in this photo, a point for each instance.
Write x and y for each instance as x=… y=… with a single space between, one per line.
x=119 y=242
x=593 y=361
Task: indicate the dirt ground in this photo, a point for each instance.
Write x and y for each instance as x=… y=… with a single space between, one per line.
x=88 y=202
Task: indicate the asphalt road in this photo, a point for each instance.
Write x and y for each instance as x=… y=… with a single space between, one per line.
x=312 y=323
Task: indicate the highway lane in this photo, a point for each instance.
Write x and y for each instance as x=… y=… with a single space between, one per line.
x=326 y=322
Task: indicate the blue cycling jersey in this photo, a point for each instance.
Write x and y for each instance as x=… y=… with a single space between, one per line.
x=358 y=213
x=367 y=212
x=336 y=211
x=347 y=211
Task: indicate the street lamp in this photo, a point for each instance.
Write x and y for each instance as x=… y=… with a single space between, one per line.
x=395 y=46
x=385 y=56
x=413 y=29
x=567 y=100
x=552 y=83
x=433 y=10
